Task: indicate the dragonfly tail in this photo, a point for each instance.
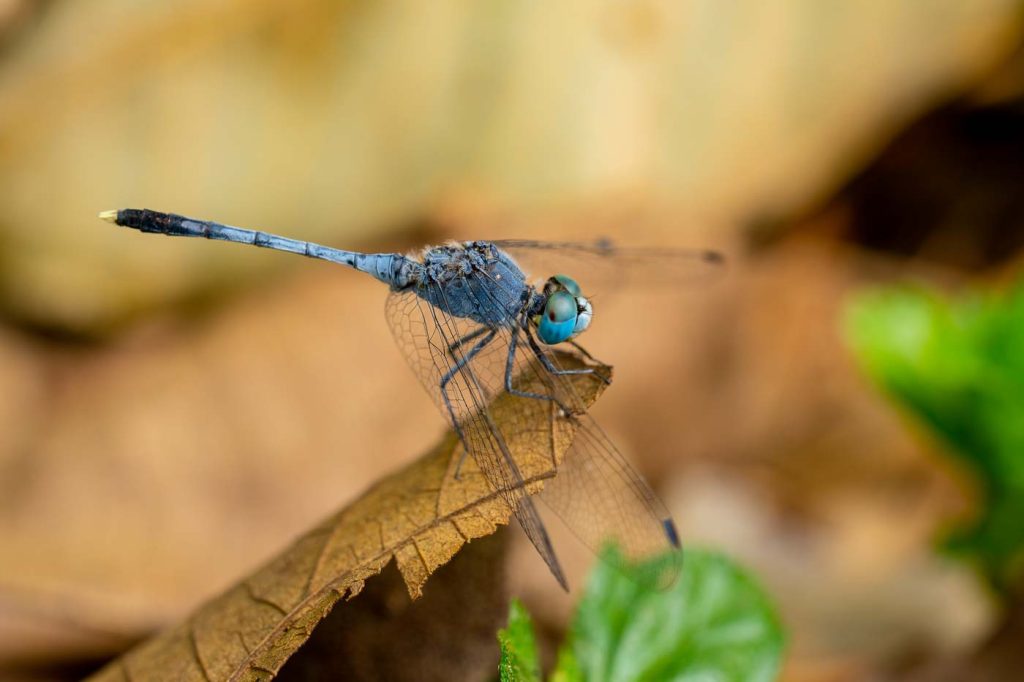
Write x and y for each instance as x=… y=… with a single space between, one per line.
x=390 y=268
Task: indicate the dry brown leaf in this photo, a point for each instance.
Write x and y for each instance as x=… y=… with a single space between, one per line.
x=420 y=516
x=447 y=634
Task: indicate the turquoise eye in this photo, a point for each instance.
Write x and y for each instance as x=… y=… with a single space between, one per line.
x=569 y=283
x=559 y=318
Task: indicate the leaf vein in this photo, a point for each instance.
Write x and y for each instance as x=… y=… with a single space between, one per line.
x=260 y=599
x=332 y=585
x=194 y=643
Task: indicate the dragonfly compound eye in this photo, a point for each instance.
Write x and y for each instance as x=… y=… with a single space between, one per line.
x=559 y=318
x=568 y=283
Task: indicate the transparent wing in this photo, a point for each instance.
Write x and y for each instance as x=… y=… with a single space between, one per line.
x=596 y=492
x=469 y=360
x=602 y=498
x=601 y=266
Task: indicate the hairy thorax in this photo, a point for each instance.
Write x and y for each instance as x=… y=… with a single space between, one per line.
x=474 y=280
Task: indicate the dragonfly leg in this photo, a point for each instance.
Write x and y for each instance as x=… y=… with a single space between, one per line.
x=510 y=367
x=546 y=361
x=583 y=351
x=476 y=333
x=449 y=375
x=590 y=357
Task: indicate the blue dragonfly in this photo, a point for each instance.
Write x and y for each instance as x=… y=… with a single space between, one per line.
x=472 y=326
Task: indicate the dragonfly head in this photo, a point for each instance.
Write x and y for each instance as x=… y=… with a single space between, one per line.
x=566 y=313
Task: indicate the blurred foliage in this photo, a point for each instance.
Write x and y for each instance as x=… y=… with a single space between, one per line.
x=342 y=121
x=712 y=623
x=519 y=661
x=957 y=365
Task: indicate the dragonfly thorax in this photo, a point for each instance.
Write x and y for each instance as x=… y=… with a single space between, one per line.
x=474 y=280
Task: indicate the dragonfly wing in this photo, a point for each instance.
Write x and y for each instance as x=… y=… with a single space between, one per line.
x=595 y=491
x=601 y=267
x=602 y=498
x=436 y=345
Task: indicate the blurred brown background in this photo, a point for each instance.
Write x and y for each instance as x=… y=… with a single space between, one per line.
x=173 y=411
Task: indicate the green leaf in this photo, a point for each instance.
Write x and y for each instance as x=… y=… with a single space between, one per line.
x=713 y=623
x=519 y=661
x=568 y=668
x=958 y=366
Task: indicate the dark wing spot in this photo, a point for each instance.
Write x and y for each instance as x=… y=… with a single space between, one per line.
x=670 y=531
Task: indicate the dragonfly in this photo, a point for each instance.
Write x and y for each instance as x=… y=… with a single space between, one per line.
x=473 y=325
